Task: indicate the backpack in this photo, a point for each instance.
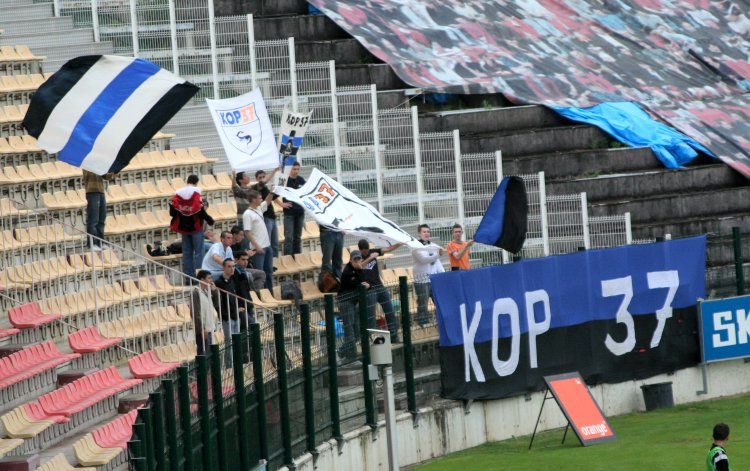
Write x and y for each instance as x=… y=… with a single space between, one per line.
x=187 y=221
x=328 y=282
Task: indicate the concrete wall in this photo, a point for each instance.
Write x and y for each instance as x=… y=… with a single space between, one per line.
x=445 y=428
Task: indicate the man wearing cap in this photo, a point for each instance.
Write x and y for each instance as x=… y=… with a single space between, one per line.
x=351 y=279
x=378 y=294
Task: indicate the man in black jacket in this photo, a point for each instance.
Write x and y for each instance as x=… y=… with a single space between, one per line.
x=351 y=279
x=294 y=215
x=231 y=308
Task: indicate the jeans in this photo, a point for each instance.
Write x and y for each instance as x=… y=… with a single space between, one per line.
x=332 y=246
x=264 y=262
x=379 y=294
x=229 y=327
x=273 y=234
x=192 y=252
x=96 y=215
x=424 y=293
x=293 y=224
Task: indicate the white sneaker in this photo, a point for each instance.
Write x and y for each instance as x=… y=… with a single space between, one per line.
x=96 y=248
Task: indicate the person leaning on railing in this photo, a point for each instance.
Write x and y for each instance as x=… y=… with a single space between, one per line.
x=203 y=311
x=352 y=278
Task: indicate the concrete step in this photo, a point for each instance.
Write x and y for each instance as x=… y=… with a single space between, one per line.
x=343 y=51
x=37 y=42
x=364 y=74
x=669 y=207
x=261 y=7
x=480 y=120
x=13 y=27
x=300 y=27
x=59 y=55
x=41 y=11
x=652 y=182
x=533 y=141
x=684 y=227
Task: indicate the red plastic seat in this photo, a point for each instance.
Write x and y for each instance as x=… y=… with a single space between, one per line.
x=30 y=361
x=90 y=340
x=148 y=365
x=29 y=315
x=35 y=412
x=85 y=392
x=116 y=433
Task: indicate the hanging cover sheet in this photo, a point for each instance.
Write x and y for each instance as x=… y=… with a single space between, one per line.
x=614 y=314
x=683 y=60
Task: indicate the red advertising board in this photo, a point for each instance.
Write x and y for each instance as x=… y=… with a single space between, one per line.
x=579 y=407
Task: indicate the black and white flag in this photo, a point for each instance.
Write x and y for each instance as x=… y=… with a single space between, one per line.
x=97 y=112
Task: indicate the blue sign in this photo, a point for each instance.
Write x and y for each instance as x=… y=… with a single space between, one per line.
x=725 y=328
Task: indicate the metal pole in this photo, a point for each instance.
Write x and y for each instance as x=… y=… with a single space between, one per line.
x=335 y=119
x=293 y=73
x=585 y=221
x=134 y=25
x=628 y=229
x=738 y=262
x=205 y=412
x=260 y=390
x=56 y=7
x=390 y=418
x=333 y=385
x=499 y=165
x=376 y=145
x=308 y=370
x=364 y=342
x=459 y=178
x=411 y=393
x=157 y=408
x=418 y=164
x=170 y=415
x=286 y=431
x=183 y=393
x=145 y=415
x=95 y=20
x=543 y=211
x=238 y=342
x=217 y=397
x=212 y=39
x=173 y=35
x=251 y=46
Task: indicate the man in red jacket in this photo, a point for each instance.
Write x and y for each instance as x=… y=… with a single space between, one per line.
x=188 y=211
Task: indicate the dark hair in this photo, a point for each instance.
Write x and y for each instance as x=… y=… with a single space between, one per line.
x=238 y=178
x=252 y=194
x=259 y=172
x=240 y=253
x=422 y=226
x=363 y=244
x=721 y=431
x=226 y=260
x=192 y=180
x=202 y=274
x=295 y=164
x=224 y=234
x=235 y=230
x=457 y=226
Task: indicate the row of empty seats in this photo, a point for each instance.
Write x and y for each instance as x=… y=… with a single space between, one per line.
x=43 y=271
x=22 y=237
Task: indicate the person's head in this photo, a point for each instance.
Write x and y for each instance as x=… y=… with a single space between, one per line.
x=241 y=258
x=423 y=230
x=237 y=234
x=355 y=258
x=228 y=267
x=205 y=278
x=192 y=180
x=253 y=198
x=209 y=233
x=457 y=231
x=260 y=176
x=721 y=433
x=294 y=171
x=226 y=238
x=242 y=178
x=364 y=247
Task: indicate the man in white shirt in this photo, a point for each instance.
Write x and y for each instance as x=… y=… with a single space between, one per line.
x=426 y=262
x=220 y=251
x=257 y=233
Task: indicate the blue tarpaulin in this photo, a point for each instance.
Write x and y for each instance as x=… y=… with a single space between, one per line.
x=628 y=123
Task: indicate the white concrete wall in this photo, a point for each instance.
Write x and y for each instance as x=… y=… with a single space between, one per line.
x=445 y=428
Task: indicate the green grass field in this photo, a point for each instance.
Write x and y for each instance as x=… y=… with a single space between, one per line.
x=668 y=439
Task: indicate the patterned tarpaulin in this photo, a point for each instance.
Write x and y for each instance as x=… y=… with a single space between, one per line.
x=686 y=61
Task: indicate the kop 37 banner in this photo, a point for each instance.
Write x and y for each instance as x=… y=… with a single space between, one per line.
x=614 y=315
x=293 y=127
x=337 y=208
x=245 y=131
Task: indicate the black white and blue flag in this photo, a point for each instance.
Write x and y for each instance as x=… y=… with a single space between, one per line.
x=97 y=112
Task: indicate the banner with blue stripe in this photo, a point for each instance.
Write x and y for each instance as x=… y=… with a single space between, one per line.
x=601 y=312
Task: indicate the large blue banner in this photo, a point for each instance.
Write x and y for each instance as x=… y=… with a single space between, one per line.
x=613 y=314
x=725 y=328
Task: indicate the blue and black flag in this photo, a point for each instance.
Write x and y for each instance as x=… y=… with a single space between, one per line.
x=504 y=222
